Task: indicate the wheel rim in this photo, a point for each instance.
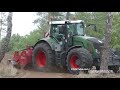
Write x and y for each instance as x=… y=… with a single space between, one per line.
x=73 y=60
x=41 y=59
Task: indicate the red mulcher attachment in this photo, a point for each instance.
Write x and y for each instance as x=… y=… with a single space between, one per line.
x=24 y=57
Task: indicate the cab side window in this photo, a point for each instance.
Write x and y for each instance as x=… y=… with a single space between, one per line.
x=54 y=30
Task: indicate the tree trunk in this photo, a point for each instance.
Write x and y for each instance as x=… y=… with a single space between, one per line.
x=106 y=47
x=67 y=15
x=6 y=40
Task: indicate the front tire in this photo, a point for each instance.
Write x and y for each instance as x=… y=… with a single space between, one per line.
x=114 y=68
x=79 y=58
x=43 y=57
x=97 y=67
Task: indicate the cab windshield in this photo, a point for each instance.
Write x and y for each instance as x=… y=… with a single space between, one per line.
x=76 y=28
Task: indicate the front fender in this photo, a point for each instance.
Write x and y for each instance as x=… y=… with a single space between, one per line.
x=76 y=46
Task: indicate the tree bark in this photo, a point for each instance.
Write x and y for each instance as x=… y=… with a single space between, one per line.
x=6 y=40
x=106 y=47
x=67 y=15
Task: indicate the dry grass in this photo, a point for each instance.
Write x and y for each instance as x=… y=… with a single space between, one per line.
x=98 y=75
x=7 y=70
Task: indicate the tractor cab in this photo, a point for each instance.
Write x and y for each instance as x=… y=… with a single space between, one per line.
x=73 y=27
x=66 y=30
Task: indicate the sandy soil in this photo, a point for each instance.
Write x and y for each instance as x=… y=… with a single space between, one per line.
x=37 y=74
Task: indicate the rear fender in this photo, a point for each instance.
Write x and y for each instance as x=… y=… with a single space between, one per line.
x=51 y=42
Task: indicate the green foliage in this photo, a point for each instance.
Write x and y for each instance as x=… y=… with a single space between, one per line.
x=18 y=42
x=115 y=39
x=99 y=18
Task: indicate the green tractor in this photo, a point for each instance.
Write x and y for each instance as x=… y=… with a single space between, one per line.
x=68 y=46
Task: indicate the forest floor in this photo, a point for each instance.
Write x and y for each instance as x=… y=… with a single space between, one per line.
x=8 y=71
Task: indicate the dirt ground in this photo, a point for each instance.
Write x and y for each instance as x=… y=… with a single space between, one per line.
x=31 y=73
x=8 y=71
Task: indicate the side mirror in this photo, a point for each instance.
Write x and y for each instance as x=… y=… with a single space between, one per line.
x=48 y=22
x=94 y=26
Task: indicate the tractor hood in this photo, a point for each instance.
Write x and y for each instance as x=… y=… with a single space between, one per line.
x=96 y=42
x=93 y=39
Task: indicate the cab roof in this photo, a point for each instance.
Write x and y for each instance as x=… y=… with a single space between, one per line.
x=68 y=21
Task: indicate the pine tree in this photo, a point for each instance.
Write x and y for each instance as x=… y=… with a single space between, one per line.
x=6 y=39
x=106 y=47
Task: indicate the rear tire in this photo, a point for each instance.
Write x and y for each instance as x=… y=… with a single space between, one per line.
x=79 y=58
x=43 y=57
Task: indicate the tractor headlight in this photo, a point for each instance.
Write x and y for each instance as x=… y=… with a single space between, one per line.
x=100 y=41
